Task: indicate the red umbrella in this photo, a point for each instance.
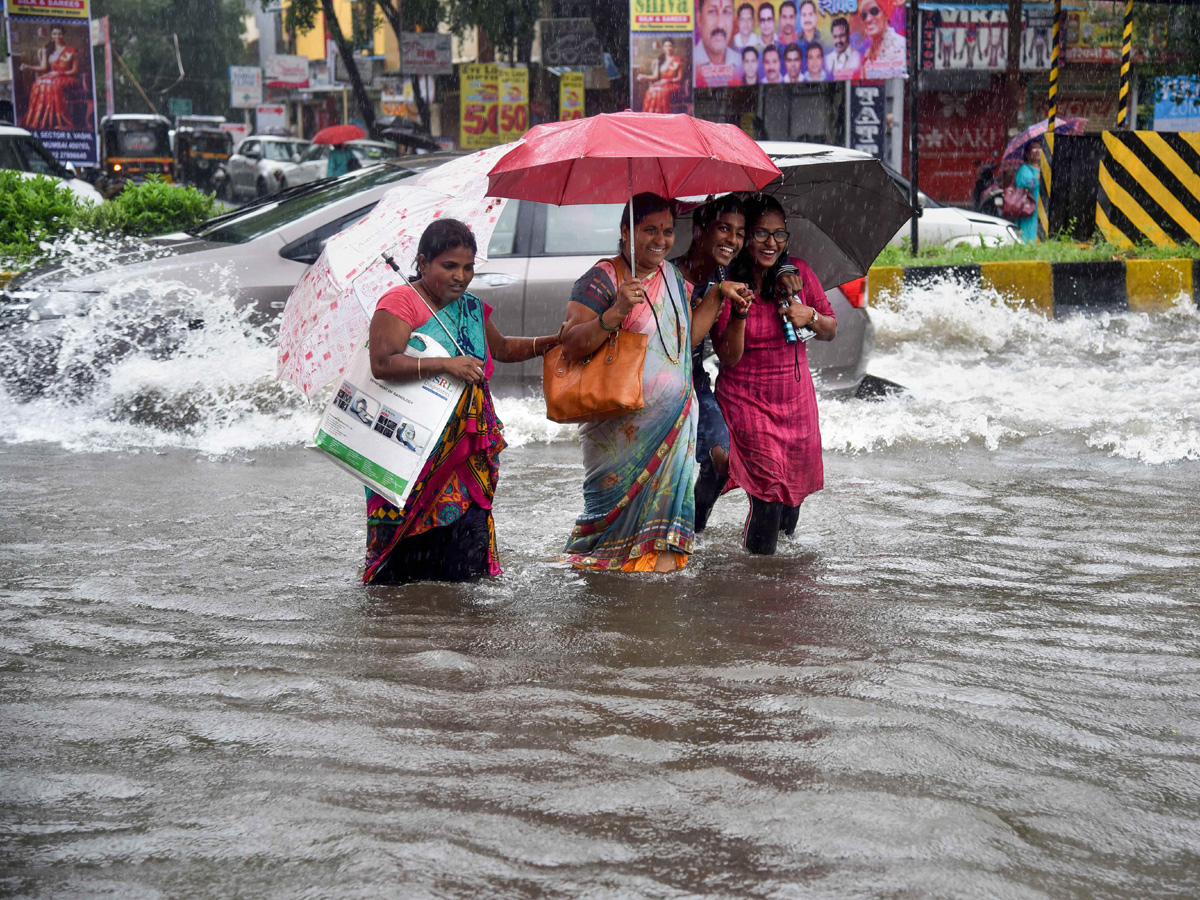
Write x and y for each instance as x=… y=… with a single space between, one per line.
x=338 y=134
x=610 y=157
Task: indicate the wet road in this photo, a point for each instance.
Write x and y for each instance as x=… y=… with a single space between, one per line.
x=972 y=673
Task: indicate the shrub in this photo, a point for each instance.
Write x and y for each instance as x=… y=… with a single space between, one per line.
x=34 y=211
x=154 y=207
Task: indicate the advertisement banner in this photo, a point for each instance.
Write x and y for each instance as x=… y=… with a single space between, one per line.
x=570 y=96
x=978 y=39
x=54 y=9
x=54 y=87
x=514 y=103
x=425 y=54
x=661 y=77
x=795 y=41
x=245 y=87
x=478 y=87
x=670 y=16
x=286 y=71
x=868 y=111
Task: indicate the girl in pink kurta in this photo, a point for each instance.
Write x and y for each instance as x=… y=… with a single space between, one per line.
x=764 y=388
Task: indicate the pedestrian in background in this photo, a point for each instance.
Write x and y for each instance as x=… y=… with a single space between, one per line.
x=339 y=161
x=1028 y=178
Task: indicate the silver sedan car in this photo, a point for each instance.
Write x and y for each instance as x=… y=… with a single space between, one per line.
x=259 y=166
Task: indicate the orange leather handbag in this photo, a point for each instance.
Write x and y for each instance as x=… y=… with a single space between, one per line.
x=606 y=384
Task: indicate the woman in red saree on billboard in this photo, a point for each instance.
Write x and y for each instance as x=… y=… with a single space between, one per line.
x=57 y=72
x=667 y=77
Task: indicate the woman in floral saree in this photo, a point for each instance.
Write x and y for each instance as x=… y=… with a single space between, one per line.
x=638 y=506
x=445 y=531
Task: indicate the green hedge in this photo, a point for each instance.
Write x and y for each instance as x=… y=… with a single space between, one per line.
x=1055 y=250
x=34 y=212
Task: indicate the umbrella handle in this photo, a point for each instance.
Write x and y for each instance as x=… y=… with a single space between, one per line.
x=632 y=251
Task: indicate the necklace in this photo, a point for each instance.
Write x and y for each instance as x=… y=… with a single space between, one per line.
x=658 y=325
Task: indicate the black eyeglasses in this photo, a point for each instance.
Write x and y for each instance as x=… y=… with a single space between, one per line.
x=761 y=235
x=870 y=13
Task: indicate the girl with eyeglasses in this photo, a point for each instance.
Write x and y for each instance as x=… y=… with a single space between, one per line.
x=764 y=387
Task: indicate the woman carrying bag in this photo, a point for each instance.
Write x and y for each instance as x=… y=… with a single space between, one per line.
x=445 y=531
x=638 y=507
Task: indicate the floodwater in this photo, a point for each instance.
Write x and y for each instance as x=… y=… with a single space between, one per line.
x=973 y=672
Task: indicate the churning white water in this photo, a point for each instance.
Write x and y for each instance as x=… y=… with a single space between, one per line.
x=978 y=369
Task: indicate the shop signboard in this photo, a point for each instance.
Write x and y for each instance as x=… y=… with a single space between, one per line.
x=1093 y=33
x=53 y=82
x=971 y=38
x=660 y=55
x=283 y=71
x=513 y=113
x=570 y=42
x=1177 y=103
x=245 y=87
x=868 y=110
x=798 y=41
x=270 y=118
x=570 y=96
x=179 y=106
x=478 y=87
x=425 y=54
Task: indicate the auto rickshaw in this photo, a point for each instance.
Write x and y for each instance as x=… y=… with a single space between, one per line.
x=200 y=153
x=132 y=147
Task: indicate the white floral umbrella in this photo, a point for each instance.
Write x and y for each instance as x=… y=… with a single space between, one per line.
x=329 y=312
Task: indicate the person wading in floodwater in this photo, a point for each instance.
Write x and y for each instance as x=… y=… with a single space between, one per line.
x=764 y=388
x=445 y=531
x=639 y=467
x=718 y=233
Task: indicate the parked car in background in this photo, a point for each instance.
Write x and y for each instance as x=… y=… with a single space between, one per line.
x=259 y=166
x=22 y=152
x=315 y=160
x=949 y=226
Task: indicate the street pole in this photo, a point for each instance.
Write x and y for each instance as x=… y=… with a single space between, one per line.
x=914 y=89
x=1053 y=114
x=1123 y=97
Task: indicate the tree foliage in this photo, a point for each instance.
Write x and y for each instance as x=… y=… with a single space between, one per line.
x=210 y=41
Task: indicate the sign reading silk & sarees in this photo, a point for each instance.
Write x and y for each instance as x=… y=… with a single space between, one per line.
x=660 y=55
x=54 y=87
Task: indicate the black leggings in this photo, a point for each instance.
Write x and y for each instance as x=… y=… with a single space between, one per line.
x=455 y=552
x=766 y=519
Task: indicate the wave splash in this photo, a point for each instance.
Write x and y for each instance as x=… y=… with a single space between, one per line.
x=978 y=369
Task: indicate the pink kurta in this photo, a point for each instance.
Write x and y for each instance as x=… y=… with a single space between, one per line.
x=774 y=436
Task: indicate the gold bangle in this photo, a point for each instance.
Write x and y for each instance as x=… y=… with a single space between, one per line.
x=535 y=353
x=418 y=368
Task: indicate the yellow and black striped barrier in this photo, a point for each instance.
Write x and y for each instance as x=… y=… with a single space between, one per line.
x=1126 y=57
x=1149 y=188
x=1136 y=285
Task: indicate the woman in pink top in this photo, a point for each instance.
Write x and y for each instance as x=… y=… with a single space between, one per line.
x=764 y=388
x=445 y=531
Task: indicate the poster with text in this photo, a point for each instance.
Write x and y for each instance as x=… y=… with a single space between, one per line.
x=479 y=90
x=660 y=55
x=514 y=103
x=54 y=88
x=796 y=41
x=570 y=96
x=868 y=117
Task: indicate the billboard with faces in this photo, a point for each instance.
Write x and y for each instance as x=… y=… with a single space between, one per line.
x=741 y=42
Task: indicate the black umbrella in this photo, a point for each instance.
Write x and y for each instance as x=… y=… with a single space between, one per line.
x=407 y=132
x=842 y=208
